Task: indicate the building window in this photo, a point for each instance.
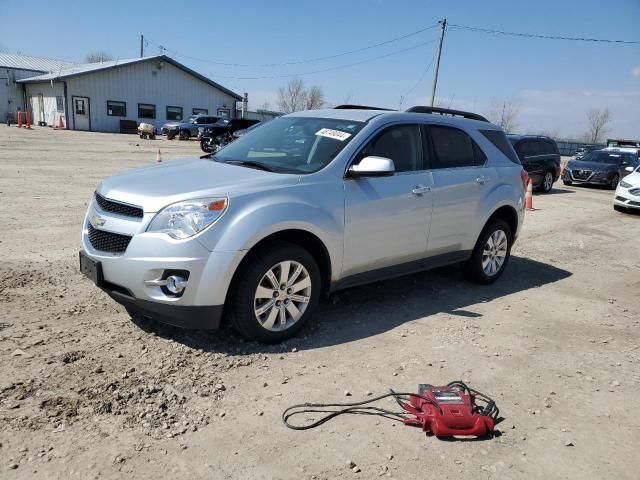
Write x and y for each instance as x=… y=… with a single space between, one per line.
x=224 y=112
x=200 y=111
x=146 y=110
x=116 y=109
x=174 y=113
x=60 y=103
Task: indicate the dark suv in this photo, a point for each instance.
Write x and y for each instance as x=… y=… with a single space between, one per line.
x=211 y=135
x=540 y=158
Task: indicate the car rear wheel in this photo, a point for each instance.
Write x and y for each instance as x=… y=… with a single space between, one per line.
x=491 y=253
x=274 y=293
x=614 y=182
x=547 y=182
x=567 y=182
x=184 y=135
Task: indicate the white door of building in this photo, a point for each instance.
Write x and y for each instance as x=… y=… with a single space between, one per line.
x=81 y=120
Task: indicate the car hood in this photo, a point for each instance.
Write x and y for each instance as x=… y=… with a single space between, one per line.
x=155 y=186
x=595 y=166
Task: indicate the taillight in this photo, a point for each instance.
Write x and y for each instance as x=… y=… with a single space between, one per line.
x=524 y=176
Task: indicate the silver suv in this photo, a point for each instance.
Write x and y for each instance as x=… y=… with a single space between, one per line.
x=307 y=204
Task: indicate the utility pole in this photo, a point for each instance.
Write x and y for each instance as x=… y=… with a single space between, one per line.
x=141 y=45
x=443 y=26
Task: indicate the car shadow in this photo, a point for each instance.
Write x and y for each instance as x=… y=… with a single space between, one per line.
x=366 y=311
x=556 y=191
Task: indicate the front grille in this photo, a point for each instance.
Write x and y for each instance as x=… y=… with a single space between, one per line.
x=581 y=174
x=107 y=241
x=118 y=208
x=635 y=204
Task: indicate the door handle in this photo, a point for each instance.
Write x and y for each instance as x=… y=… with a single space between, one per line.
x=482 y=179
x=420 y=189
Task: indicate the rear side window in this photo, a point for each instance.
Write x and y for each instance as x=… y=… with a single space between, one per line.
x=499 y=140
x=454 y=148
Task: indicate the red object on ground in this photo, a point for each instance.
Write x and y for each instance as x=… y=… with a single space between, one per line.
x=448 y=411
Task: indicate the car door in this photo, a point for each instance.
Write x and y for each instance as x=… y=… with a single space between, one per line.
x=461 y=178
x=387 y=218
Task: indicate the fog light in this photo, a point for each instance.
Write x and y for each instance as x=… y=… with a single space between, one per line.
x=176 y=284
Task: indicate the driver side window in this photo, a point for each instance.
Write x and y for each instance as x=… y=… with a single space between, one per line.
x=400 y=143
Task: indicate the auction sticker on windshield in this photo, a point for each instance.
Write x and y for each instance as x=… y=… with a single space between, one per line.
x=335 y=134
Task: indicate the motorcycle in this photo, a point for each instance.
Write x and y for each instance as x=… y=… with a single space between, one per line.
x=213 y=144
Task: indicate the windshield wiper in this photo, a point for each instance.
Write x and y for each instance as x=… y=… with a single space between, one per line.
x=249 y=163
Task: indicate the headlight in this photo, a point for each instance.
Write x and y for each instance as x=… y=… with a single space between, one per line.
x=185 y=219
x=625 y=184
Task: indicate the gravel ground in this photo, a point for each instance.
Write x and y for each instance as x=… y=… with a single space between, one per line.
x=86 y=392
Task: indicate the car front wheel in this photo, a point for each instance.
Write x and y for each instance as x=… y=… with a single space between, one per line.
x=614 y=182
x=491 y=253
x=274 y=293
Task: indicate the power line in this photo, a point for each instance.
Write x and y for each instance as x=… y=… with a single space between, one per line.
x=424 y=73
x=296 y=62
x=538 y=36
x=337 y=67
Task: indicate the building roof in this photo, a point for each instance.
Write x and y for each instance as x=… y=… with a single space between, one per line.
x=36 y=64
x=83 y=69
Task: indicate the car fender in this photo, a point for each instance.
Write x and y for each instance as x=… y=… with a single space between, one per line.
x=501 y=195
x=256 y=219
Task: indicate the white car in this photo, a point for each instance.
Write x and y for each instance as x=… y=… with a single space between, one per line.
x=628 y=192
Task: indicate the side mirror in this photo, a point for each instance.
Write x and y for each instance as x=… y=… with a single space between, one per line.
x=373 y=167
x=629 y=169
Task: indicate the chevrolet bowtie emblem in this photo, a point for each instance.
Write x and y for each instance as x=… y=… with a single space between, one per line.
x=97 y=221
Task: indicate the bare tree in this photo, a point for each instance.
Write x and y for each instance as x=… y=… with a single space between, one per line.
x=100 y=56
x=505 y=113
x=295 y=97
x=315 y=98
x=265 y=107
x=598 y=121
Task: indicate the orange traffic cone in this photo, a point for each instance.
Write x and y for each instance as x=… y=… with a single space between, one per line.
x=158 y=157
x=528 y=197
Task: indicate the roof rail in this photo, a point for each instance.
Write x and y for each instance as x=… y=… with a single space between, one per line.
x=360 y=107
x=448 y=111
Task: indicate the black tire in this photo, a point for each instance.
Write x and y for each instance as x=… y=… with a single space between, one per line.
x=152 y=136
x=204 y=146
x=613 y=184
x=241 y=300
x=184 y=135
x=547 y=182
x=567 y=182
x=472 y=268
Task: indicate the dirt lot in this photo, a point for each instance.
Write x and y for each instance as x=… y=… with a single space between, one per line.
x=85 y=392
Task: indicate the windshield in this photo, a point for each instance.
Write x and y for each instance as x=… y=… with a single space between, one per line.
x=190 y=119
x=602 y=157
x=291 y=144
x=223 y=122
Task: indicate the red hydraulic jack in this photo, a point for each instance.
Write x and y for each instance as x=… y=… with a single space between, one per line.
x=450 y=411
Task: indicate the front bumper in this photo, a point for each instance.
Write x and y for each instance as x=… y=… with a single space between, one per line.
x=625 y=199
x=593 y=178
x=149 y=256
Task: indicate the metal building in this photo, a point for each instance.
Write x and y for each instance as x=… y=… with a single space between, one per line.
x=97 y=96
x=16 y=67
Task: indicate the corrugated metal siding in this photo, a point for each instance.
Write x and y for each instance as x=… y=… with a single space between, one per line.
x=144 y=83
x=11 y=98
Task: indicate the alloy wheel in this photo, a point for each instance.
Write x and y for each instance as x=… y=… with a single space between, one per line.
x=548 y=181
x=494 y=253
x=282 y=296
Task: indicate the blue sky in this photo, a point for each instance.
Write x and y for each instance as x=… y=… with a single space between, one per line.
x=556 y=83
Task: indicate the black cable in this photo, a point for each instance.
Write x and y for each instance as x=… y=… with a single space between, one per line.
x=538 y=36
x=298 y=62
x=354 y=408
